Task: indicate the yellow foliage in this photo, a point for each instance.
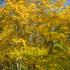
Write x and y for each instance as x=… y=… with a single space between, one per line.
x=35 y=33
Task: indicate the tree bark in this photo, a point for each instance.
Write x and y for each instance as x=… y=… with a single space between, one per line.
x=18 y=64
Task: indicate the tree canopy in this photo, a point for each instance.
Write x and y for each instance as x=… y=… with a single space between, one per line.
x=35 y=35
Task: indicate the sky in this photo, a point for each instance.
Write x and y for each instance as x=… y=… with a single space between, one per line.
x=2 y=3
x=67 y=3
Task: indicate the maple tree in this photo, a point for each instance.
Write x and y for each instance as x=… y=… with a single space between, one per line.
x=35 y=35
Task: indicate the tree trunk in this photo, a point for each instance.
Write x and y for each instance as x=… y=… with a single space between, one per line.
x=18 y=64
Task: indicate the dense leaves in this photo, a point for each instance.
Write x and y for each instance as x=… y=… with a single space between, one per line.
x=35 y=35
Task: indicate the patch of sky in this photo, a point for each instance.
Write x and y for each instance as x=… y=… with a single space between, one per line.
x=67 y=3
x=2 y=3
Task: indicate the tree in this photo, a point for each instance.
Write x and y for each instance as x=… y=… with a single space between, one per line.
x=34 y=35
